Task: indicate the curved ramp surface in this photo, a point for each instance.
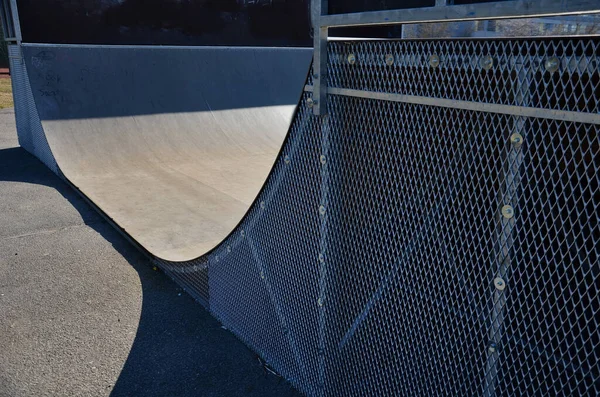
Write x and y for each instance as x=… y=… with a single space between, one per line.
x=173 y=144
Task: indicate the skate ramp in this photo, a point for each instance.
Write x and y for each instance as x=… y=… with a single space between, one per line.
x=173 y=144
x=435 y=234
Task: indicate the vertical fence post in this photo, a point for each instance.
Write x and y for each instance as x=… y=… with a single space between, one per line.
x=319 y=106
x=12 y=28
x=325 y=299
x=16 y=24
x=507 y=214
x=320 y=34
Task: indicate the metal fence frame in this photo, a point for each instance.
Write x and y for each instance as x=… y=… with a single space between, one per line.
x=441 y=12
x=10 y=21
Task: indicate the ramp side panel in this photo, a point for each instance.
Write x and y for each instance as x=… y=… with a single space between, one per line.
x=29 y=128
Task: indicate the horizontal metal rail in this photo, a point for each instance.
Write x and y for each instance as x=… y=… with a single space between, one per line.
x=467 y=12
x=563 y=115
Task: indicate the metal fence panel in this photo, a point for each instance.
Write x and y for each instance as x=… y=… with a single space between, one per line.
x=407 y=248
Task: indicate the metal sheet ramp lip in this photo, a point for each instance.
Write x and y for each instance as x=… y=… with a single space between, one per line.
x=176 y=71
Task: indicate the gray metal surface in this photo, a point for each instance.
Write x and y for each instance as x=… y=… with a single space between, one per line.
x=409 y=249
x=195 y=129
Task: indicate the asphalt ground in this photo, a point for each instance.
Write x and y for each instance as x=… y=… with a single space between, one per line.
x=82 y=312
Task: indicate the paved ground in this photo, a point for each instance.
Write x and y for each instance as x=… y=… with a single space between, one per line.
x=83 y=314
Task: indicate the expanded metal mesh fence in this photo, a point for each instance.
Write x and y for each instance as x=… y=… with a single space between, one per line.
x=405 y=249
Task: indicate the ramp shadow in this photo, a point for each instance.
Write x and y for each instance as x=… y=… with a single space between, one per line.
x=179 y=348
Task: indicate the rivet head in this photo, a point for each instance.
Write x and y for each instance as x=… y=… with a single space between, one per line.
x=389 y=59
x=492 y=348
x=323 y=159
x=434 y=61
x=516 y=140
x=322 y=210
x=262 y=205
x=287 y=159
x=499 y=283
x=229 y=248
x=310 y=102
x=315 y=76
x=321 y=258
x=242 y=233
x=486 y=62
x=508 y=212
x=351 y=59
x=320 y=302
x=552 y=64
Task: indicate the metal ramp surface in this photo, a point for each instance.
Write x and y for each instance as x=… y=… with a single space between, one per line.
x=174 y=143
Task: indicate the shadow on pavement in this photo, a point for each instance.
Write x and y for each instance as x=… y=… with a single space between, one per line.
x=179 y=348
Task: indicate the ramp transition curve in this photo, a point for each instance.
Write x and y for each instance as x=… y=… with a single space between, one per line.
x=173 y=143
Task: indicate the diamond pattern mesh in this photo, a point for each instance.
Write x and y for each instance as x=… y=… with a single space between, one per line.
x=403 y=249
x=29 y=127
x=550 y=74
